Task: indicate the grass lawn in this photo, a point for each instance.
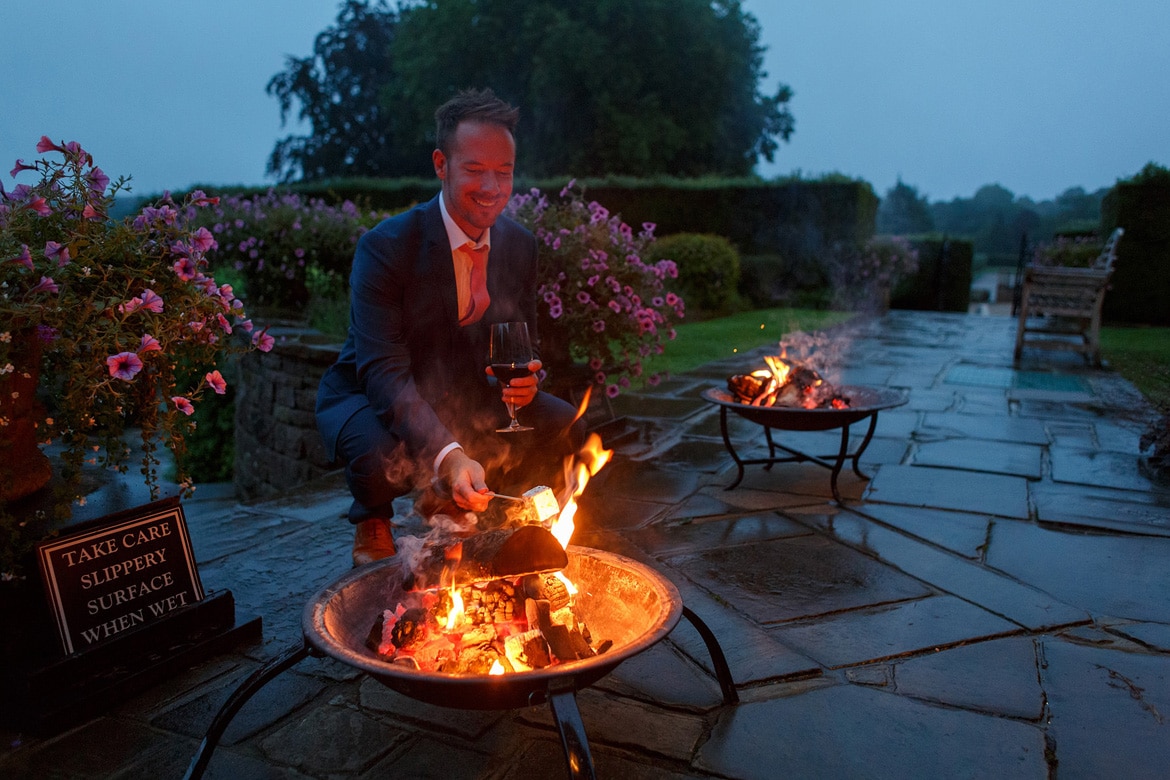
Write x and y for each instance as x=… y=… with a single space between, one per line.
x=1141 y=355
x=703 y=342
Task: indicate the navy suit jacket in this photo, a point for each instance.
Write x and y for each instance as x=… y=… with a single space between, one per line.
x=406 y=356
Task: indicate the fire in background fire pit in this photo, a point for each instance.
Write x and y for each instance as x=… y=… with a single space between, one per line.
x=785 y=383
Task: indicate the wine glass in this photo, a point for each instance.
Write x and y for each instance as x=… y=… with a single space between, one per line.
x=511 y=352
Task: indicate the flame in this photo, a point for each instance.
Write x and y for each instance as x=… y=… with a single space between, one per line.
x=569 y=586
x=779 y=369
x=497 y=667
x=455 y=615
x=587 y=462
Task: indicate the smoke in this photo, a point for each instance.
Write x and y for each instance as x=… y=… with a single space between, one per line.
x=818 y=351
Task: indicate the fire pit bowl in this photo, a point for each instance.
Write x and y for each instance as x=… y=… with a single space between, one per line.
x=619 y=599
x=864 y=403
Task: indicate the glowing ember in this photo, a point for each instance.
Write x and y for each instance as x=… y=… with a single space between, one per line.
x=497 y=668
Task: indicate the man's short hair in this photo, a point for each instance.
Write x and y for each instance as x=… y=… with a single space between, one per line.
x=479 y=105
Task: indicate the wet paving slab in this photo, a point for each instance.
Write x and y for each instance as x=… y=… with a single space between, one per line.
x=997 y=677
x=1005 y=496
x=967 y=425
x=1119 y=576
x=858 y=731
x=977 y=583
x=797 y=577
x=991 y=457
x=1104 y=509
x=1090 y=690
x=1119 y=470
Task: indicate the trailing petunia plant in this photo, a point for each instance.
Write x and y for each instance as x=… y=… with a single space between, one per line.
x=600 y=303
x=119 y=319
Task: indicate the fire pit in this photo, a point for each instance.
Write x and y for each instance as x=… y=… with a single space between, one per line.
x=620 y=599
x=863 y=403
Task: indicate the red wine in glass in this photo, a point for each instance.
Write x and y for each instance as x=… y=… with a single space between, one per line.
x=511 y=352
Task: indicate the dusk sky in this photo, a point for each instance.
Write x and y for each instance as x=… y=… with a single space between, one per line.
x=1035 y=95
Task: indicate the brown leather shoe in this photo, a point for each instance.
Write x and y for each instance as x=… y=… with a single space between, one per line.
x=372 y=541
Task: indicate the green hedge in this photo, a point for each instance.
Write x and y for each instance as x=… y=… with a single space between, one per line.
x=794 y=217
x=1141 y=277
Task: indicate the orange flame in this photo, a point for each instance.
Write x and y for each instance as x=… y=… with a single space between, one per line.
x=590 y=460
x=455 y=615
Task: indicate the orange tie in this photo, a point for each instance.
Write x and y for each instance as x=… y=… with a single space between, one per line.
x=479 y=293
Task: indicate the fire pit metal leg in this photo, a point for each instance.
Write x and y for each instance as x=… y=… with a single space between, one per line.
x=731 y=449
x=718 y=660
x=578 y=760
x=864 y=443
x=832 y=462
x=240 y=696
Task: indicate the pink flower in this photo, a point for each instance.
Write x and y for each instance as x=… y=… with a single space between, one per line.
x=149 y=344
x=91 y=212
x=151 y=301
x=182 y=404
x=216 y=382
x=20 y=166
x=40 y=206
x=203 y=240
x=224 y=325
x=46 y=284
x=130 y=306
x=612 y=391
x=98 y=180
x=263 y=340
x=24 y=258
x=598 y=326
x=53 y=249
x=45 y=145
x=184 y=268
x=124 y=365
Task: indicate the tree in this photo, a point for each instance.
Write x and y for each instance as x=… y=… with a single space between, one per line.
x=635 y=87
x=337 y=87
x=904 y=211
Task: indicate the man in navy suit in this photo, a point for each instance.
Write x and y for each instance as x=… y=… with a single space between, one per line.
x=410 y=399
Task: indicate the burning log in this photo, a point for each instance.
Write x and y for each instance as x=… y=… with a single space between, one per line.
x=505 y=552
x=785 y=384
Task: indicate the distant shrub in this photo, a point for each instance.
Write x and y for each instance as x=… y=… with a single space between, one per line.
x=708 y=270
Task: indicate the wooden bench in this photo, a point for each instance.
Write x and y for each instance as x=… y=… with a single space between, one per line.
x=1063 y=305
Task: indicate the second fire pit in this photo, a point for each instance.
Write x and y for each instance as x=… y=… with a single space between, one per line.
x=864 y=403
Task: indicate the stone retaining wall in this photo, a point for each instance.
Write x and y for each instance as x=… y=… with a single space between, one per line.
x=277 y=444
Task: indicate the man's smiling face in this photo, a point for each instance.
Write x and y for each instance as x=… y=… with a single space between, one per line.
x=477 y=174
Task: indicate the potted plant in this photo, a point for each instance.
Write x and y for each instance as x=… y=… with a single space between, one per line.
x=114 y=325
x=602 y=308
